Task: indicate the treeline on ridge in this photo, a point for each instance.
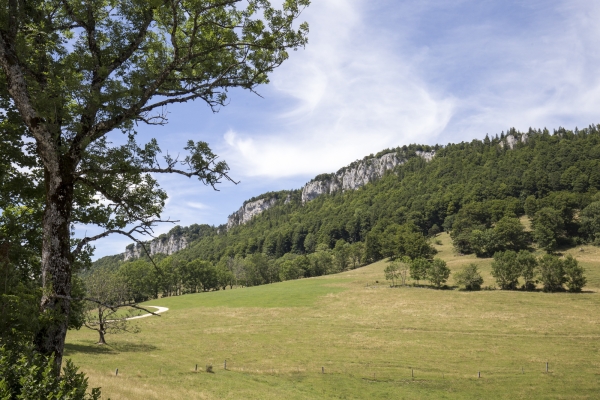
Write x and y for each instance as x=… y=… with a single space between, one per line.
x=476 y=191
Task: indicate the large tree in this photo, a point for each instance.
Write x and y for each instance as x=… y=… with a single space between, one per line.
x=73 y=71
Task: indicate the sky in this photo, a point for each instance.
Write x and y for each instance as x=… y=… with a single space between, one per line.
x=379 y=74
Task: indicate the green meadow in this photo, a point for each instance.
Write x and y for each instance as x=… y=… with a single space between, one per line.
x=351 y=336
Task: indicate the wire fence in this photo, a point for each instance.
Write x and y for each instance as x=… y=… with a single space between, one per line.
x=371 y=371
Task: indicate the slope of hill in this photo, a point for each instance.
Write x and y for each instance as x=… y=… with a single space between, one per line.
x=479 y=182
x=350 y=335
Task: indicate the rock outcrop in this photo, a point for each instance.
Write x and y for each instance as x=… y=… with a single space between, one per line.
x=356 y=175
x=511 y=141
x=351 y=177
x=162 y=245
x=249 y=210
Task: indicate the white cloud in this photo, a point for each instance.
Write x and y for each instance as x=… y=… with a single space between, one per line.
x=198 y=206
x=541 y=70
x=431 y=72
x=351 y=95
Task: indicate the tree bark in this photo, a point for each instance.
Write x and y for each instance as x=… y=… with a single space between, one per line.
x=101 y=333
x=56 y=263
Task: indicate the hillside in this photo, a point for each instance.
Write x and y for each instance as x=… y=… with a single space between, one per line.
x=463 y=188
x=369 y=338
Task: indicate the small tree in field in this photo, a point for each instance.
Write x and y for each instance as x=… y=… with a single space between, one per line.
x=552 y=273
x=575 y=280
x=469 y=277
x=418 y=269
x=392 y=273
x=438 y=272
x=505 y=270
x=106 y=303
x=527 y=265
x=403 y=269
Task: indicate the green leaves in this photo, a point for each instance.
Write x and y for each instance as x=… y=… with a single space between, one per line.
x=25 y=374
x=469 y=277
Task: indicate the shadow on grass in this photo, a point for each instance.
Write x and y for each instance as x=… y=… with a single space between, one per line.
x=71 y=348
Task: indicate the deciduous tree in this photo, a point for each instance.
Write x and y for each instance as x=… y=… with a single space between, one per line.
x=438 y=273
x=552 y=273
x=469 y=277
x=574 y=274
x=74 y=71
x=506 y=270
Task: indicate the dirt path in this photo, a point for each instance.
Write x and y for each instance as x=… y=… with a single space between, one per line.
x=159 y=310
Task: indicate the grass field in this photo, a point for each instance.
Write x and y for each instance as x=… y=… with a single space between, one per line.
x=367 y=336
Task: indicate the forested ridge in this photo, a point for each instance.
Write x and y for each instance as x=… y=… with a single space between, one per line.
x=473 y=190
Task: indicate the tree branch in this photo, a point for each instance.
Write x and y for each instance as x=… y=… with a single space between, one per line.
x=143 y=229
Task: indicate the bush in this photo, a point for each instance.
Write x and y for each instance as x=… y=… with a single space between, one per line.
x=27 y=375
x=505 y=270
x=469 y=277
x=438 y=272
x=552 y=273
x=574 y=278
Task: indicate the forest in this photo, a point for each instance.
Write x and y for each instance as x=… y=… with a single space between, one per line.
x=475 y=191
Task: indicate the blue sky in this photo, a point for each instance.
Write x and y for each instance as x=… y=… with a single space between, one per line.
x=383 y=73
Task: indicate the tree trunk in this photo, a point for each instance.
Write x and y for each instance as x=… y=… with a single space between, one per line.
x=56 y=265
x=101 y=339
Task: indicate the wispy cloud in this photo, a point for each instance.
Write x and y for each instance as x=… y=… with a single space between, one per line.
x=197 y=206
x=350 y=95
x=432 y=71
x=383 y=73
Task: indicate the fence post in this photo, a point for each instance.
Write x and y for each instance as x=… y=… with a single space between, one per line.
x=196 y=369
x=412 y=372
x=117 y=372
x=546 y=367
x=225 y=364
x=479 y=374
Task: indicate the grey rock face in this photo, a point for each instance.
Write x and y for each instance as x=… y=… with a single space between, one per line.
x=165 y=245
x=426 y=155
x=249 y=210
x=353 y=178
x=511 y=141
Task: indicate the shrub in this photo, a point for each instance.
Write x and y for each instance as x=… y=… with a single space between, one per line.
x=27 y=375
x=574 y=278
x=434 y=230
x=469 y=277
x=438 y=272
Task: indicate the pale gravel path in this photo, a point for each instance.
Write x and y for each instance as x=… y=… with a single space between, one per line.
x=159 y=310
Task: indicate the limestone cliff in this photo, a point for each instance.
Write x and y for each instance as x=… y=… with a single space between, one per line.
x=357 y=174
x=351 y=177
x=257 y=205
x=162 y=245
x=511 y=141
x=177 y=239
x=249 y=210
